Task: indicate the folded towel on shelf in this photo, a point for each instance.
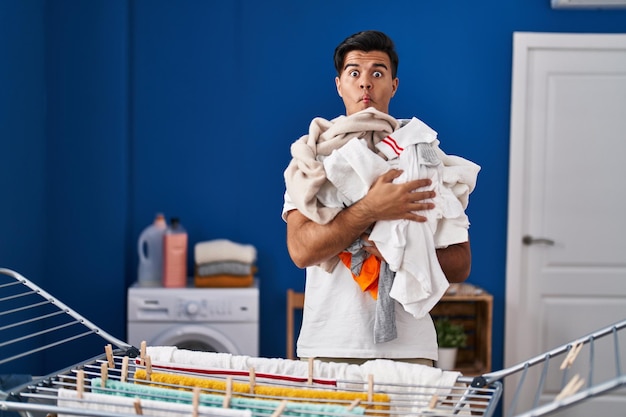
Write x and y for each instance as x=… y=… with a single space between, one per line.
x=223 y=250
x=225 y=268
x=223 y=281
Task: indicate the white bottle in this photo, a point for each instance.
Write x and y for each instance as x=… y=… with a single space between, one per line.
x=150 y=249
x=175 y=255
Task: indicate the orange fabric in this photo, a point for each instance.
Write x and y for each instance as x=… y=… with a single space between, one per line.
x=368 y=278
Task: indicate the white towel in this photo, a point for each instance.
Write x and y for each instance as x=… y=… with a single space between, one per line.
x=224 y=250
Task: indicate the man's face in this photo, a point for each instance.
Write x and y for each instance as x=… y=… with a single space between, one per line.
x=366 y=81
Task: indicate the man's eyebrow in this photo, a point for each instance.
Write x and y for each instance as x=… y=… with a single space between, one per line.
x=375 y=65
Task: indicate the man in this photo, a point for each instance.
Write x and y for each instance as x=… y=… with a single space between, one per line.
x=339 y=316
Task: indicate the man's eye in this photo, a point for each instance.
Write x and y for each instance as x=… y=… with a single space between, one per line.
x=378 y=74
x=354 y=73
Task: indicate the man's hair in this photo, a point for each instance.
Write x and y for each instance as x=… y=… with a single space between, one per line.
x=367 y=41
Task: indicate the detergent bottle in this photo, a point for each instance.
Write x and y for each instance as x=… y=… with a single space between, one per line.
x=175 y=255
x=150 y=249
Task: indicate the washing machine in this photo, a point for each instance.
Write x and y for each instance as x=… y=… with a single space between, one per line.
x=205 y=319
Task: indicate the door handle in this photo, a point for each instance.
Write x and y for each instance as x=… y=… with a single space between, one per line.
x=529 y=240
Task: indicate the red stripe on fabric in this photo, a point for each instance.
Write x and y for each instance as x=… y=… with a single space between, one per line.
x=244 y=373
x=393 y=145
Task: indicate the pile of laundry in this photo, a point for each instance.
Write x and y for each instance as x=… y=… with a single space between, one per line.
x=223 y=263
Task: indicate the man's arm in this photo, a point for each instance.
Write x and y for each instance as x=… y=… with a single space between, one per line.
x=456 y=261
x=310 y=243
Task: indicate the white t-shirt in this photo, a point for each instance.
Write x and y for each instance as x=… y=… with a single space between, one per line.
x=338 y=320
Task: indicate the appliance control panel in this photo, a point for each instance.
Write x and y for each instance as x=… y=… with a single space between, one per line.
x=193 y=304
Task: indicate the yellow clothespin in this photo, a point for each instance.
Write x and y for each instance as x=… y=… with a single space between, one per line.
x=279 y=410
x=148 y=368
x=571 y=356
x=570 y=388
x=229 y=392
x=124 y=374
x=104 y=373
x=138 y=409
x=252 y=380
x=195 y=401
x=142 y=352
x=80 y=383
x=109 y=354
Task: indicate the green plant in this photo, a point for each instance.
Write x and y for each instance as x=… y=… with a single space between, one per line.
x=450 y=335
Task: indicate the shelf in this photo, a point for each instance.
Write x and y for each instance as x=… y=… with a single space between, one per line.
x=472 y=307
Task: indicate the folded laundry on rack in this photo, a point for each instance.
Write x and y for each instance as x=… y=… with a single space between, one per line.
x=255 y=406
x=223 y=263
x=126 y=405
x=380 y=401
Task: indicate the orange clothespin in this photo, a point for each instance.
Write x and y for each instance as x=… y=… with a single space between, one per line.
x=109 y=354
x=195 y=402
x=124 y=374
x=148 y=368
x=138 y=409
x=279 y=410
x=252 y=380
x=80 y=383
x=104 y=373
x=229 y=392
x=571 y=356
x=142 y=352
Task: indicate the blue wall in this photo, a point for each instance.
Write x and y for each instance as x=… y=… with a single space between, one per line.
x=113 y=110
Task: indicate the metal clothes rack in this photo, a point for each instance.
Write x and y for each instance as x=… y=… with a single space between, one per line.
x=106 y=377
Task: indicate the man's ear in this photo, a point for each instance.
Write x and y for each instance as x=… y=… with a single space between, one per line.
x=338 y=85
x=396 y=82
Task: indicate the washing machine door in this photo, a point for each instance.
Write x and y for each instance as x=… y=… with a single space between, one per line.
x=194 y=337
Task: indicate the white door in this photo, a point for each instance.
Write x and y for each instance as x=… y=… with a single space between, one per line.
x=567 y=201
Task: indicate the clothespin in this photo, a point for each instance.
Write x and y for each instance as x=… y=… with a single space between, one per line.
x=148 y=368
x=571 y=356
x=433 y=402
x=80 y=383
x=252 y=380
x=138 y=409
x=570 y=388
x=124 y=374
x=142 y=352
x=310 y=380
x=370 y=388
x=354 y=403
x=229 y=392
x=104 y=373
x=109 y=353
x=279 y=410
x=195 y=403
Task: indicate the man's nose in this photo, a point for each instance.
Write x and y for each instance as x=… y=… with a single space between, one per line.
x=366 y=83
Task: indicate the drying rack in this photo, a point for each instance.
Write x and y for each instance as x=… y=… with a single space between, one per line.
x=120 y=380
